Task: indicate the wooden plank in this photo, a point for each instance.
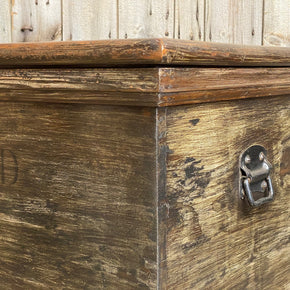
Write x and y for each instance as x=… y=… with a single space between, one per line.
x=132 y=52
x=214 y=240
x=133 y=87
x=146 y=18
x=89 y=20
x=276 y=23
x=5 y=21
x=36 y=20
x=234 y=21
x=77 y=197
x=179 y=86
x=189 y=19
x=141 y=86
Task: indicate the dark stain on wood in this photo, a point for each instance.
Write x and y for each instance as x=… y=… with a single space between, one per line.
x=211 y=233
x=194 y=121
x=72 y=219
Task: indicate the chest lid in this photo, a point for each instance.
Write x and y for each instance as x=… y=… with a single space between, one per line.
x=141 y=72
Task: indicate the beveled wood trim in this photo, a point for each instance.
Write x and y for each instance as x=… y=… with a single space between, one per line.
x=179 y=86
x=134 y=52
x=150 y=87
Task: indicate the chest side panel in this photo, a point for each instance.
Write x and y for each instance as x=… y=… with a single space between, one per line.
x=214 y=239
x=77 y=197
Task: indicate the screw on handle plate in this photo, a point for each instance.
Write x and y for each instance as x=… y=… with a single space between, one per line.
x=255 y=175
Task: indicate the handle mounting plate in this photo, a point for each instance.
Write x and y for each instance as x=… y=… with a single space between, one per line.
x=255 y=175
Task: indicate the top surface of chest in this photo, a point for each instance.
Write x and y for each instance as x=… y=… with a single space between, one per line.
x=148 y=72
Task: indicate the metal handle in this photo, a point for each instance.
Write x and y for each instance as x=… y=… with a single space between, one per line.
x=255 y=175
x=262 y=200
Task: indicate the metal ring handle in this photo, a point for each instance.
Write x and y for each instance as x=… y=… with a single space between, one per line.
x=262 y=200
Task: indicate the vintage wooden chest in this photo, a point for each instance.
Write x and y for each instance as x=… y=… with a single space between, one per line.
x=124 y=163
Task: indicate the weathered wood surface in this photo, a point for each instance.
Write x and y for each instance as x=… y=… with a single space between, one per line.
x=189 y=19
x=214 y=240
x=5 y=21
x=145 y=19
x=179 y=86
x=111 y=53
x=89 y=19
x=229 y=21
x=276 y=29
x=36 y=20
x=77 y=197
x=141 y=86
x=234 y=21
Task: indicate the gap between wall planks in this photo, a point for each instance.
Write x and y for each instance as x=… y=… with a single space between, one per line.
x=89 y=19
x=234 y=21
x=229 y=21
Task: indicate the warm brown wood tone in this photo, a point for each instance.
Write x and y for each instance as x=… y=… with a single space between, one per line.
x=105 y=183
x=77 y=197
x=213 y=239
x=141 y=86
x=111 y=53
x=180 y=86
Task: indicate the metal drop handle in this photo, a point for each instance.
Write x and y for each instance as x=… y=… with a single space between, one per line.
x=255 y=175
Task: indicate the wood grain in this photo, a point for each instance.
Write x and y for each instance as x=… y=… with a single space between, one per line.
x=178 y=86
x=189 y=19
x=148 y=86
x=5 y=21
x=77 y=197
x=276 y=23
x=234 y=21
x=89 y=20
x=145 y=18
x=36 y=20
x=130 y=52
x=214 y=240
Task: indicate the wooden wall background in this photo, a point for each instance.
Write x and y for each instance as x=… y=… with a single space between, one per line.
x=257 y=22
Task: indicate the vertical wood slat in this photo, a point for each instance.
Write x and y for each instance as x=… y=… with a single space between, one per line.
x=5 y=21
x=146 y=18
x=276 y=23
x=89 y=19
x=234 y=21
x=189 y=19
x=36 y=20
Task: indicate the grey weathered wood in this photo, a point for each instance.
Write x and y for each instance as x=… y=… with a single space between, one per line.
x=189 y=19
x=145 y=19
x=36 y=20
x=89 y=19
x=234 y=21
x=276 y=23
x=5 y=21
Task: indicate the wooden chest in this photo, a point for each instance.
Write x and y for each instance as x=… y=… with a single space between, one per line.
x=124 y=163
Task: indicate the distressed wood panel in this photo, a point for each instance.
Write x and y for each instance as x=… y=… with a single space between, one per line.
x=146 y=18
x=189 y=19
x=36 y=20
x=5 y=21
x=179 y=86
x=214 y=240
x=234 y=21
x=77 y=197
x=141 y=86
x=276 y=23
x=89 y=20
